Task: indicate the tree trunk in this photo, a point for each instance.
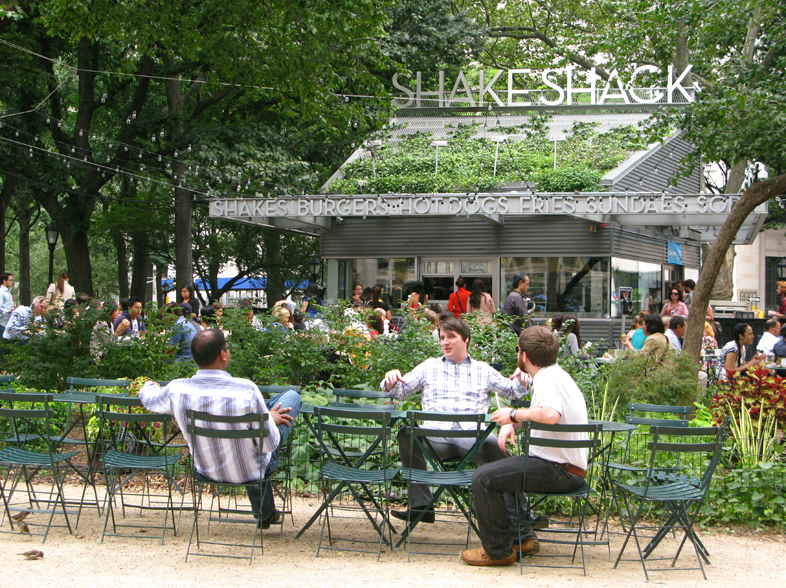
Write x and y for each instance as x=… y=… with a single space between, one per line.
x=160 y=294
x=140 y=267
x=122 y=264
x=753 y=196
x=8 y=191
x=24 y=213
x=184 y=205
x=77 y=251
x=724 y=284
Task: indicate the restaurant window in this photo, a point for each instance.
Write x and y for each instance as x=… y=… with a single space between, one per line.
x=561 y=285
x=388 y=273
x=644 y=280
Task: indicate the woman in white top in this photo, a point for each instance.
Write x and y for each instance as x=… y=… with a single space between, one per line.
x=481 y=301
x=60 y=291
x=571 y=331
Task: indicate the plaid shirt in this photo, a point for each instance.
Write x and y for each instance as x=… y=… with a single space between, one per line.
x=18 y=326
x=216 y=392
x=464 y=387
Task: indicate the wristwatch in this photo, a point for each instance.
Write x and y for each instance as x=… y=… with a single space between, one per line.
x=513 y=415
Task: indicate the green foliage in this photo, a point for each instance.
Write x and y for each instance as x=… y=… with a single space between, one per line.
x=467 y=162
x=762 y=395
x=754 y=495
x=669 y=378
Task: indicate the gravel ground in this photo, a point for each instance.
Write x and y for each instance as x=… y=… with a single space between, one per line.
x=740 y=558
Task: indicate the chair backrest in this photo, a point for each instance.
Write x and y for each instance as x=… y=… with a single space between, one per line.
x=7 y=379
x=521 y=403
x=681 y=412
x=119 y=415
x=76 y=384
x=270 y=391
x=419 y=429
x=588 y=438
x=27 y=422
x=339 y=393
x=214 y=428
x=677 y=441
x=367 y=431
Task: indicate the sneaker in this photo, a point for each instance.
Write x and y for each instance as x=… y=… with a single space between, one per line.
x=271 y=520
x=531 y=547
x=428 y=516
x=479 y=557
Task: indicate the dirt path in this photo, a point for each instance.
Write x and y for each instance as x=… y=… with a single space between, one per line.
x=739 y=560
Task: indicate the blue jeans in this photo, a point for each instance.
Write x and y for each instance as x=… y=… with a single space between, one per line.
x=292 y=400
x=493 y=481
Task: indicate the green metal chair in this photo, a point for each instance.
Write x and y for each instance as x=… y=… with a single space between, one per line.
x=7 y=379
x=589 y=439
x=23 y=464
x=453 y=477
x=125 y=434
x=641 y=415
x=248 y=427
x=681 y=495
x=366 y=477
x=269 y=391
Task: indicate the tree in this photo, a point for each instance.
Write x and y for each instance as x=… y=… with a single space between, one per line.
x=736 y=49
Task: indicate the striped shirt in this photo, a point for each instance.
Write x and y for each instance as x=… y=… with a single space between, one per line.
x=464 y=387
x=216 y=392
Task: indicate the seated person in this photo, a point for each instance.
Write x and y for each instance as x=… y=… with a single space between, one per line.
x=128 y=324
x=556 y=400
x=23 y=317
x=780 y=347
x=182 y=331
x=734 y=361
x=772 y=331
x=676 y=332
x=656 y=341
x=452 y=383
x=214 y=391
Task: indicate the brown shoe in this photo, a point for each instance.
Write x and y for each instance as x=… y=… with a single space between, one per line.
x=531 y=547
x=479 y=557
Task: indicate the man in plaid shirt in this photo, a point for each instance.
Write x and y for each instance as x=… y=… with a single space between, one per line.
x=452 y=383
x=214 y=391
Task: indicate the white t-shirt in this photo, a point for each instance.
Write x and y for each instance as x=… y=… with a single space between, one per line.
x=554 y=388
x=767 y=342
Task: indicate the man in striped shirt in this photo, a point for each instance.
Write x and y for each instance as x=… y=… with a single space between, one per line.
x=214 y=391
x=452 y=383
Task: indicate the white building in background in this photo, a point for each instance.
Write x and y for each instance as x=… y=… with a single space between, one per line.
x=758 y=267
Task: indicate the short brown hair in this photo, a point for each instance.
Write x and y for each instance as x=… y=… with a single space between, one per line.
x=455 y=325
x=540 y=345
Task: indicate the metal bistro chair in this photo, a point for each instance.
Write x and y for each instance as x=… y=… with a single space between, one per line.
x=641 y=415
x=453 y=477
x=125 y=431
x=248 y=427
x=369 y=431
x=580 y=496
x=680 y=494
x=23 y=464
x=348 y=395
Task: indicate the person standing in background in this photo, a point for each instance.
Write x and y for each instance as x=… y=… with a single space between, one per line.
x=60 y=291
x=459 y=300
x=6 y=299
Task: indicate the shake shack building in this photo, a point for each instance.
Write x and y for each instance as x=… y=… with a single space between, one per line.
x=458 y=186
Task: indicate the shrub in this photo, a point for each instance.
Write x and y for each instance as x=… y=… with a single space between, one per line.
x=652 y=378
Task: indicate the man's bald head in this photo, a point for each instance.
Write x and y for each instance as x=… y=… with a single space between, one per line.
x=206 y=346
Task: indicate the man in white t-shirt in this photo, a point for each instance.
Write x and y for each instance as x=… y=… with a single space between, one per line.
x=772 y=331
x=556 y=399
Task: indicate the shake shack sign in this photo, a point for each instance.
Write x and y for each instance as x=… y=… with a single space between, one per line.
x=551 y=87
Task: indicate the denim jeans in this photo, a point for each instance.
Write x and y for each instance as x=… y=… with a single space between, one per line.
x=493 y=481
x=292 y=400
x=446 y=448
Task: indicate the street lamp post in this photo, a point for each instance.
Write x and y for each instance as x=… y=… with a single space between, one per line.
x=52 y=233
x=314 y=265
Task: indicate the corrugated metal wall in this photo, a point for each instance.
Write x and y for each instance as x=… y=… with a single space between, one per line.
x=652 y=248
x=529 y=236
x=533 y=236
